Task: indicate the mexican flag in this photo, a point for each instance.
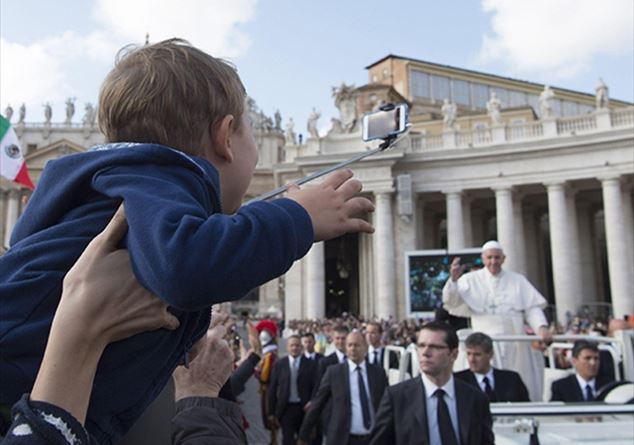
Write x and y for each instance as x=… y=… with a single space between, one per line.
x=12 y=165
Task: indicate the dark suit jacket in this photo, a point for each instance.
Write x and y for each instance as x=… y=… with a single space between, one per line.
x=280 y=384
x=335 y=386
x=509 y=386
x=402 y=415
x=568 y=389
x=393 y=358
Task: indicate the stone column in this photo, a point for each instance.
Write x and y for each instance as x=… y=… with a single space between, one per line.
x=13 y=209
x=520 y=236
x=620 y=269
x=586 y=254
x=565 y=298
x=506 y=225
x=455 y=221
x=315 y=306
x=530 y=242
x=293 y=291
x=384 y=256
x=467 y=222
x=573 y=233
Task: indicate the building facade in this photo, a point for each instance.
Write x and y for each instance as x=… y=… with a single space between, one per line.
x=546 y=171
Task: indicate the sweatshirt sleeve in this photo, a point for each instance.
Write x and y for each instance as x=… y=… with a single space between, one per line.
x=189 y=254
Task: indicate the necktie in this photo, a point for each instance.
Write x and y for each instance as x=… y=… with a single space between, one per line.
x=589 y=395
x=376 y=357
x=488 y=390
x=294 y=395
x=365 y=404
x=445 y=428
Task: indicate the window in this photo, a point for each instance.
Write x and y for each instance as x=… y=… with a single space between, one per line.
x=461 y=92
x=517 y=98
x=480 y=95
x=503 y=95
x=419 y=84
x=570 y=108
x=440 y=88
x=533 y=101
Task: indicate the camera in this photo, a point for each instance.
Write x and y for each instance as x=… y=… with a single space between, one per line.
x=390 y=120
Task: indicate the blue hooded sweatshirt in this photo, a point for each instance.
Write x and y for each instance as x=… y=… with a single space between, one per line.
x=181 y=246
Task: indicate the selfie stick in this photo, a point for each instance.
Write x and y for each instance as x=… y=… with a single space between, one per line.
x=387 y=143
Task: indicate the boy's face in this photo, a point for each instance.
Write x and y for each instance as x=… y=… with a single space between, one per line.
x=236 y=176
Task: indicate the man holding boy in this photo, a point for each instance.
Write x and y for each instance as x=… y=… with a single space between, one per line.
x=180 y=155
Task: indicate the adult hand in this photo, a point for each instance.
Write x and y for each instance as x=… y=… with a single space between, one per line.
x=333 y=206
x=455 y=269
x=254 y=339
x=209 y=371
x=546 y=335
x=104 y=308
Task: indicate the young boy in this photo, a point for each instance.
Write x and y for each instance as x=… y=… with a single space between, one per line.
x=181 y=156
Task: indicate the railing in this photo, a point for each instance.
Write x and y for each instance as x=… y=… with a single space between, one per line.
x=427 y=142
x=570 y=125
x=621 y=118
x=529 y=130
x=600 y=120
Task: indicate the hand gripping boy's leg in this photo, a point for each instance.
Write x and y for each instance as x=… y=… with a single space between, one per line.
x=334 y=206
x=101 y=302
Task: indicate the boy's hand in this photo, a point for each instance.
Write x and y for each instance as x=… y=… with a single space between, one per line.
x=333 y=206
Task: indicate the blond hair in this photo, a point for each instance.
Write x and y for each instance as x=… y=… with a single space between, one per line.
x=168 y=93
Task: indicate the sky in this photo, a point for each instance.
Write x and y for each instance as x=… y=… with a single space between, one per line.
x=290 y=53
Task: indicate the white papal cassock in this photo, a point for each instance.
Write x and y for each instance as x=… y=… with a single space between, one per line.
x=501 y=305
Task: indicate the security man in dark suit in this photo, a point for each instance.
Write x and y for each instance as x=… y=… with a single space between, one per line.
x=290 y=389
x=434 y=408
x=354 y=388
x=498 y=384
x=308 y=343
x=376 y=350
x=585 y=383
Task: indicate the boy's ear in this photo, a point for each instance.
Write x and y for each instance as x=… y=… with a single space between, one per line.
x=221 y=138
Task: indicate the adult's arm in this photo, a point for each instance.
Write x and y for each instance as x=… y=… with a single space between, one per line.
x=243 y=373
x=486 y=422
x=452 y=300
x=207 y=420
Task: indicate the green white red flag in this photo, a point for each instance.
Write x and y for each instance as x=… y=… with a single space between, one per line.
x=12 y=165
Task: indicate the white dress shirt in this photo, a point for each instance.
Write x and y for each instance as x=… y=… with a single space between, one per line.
x=432 y=408
x=371 y=350
x=356 y=424
x=488 y=375
x=583 y=383
x=340 y=356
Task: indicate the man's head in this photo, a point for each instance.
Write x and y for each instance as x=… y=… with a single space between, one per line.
x=479 y=348
x=294 y=346
x=585 y=359
x=437 y=347
x=356 y=347
x=339 y=338
x=373 y=334
x=493 y=256
x=308 y=342
x=173 y=94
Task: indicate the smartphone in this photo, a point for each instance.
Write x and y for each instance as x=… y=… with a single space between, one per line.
x=390 y=120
